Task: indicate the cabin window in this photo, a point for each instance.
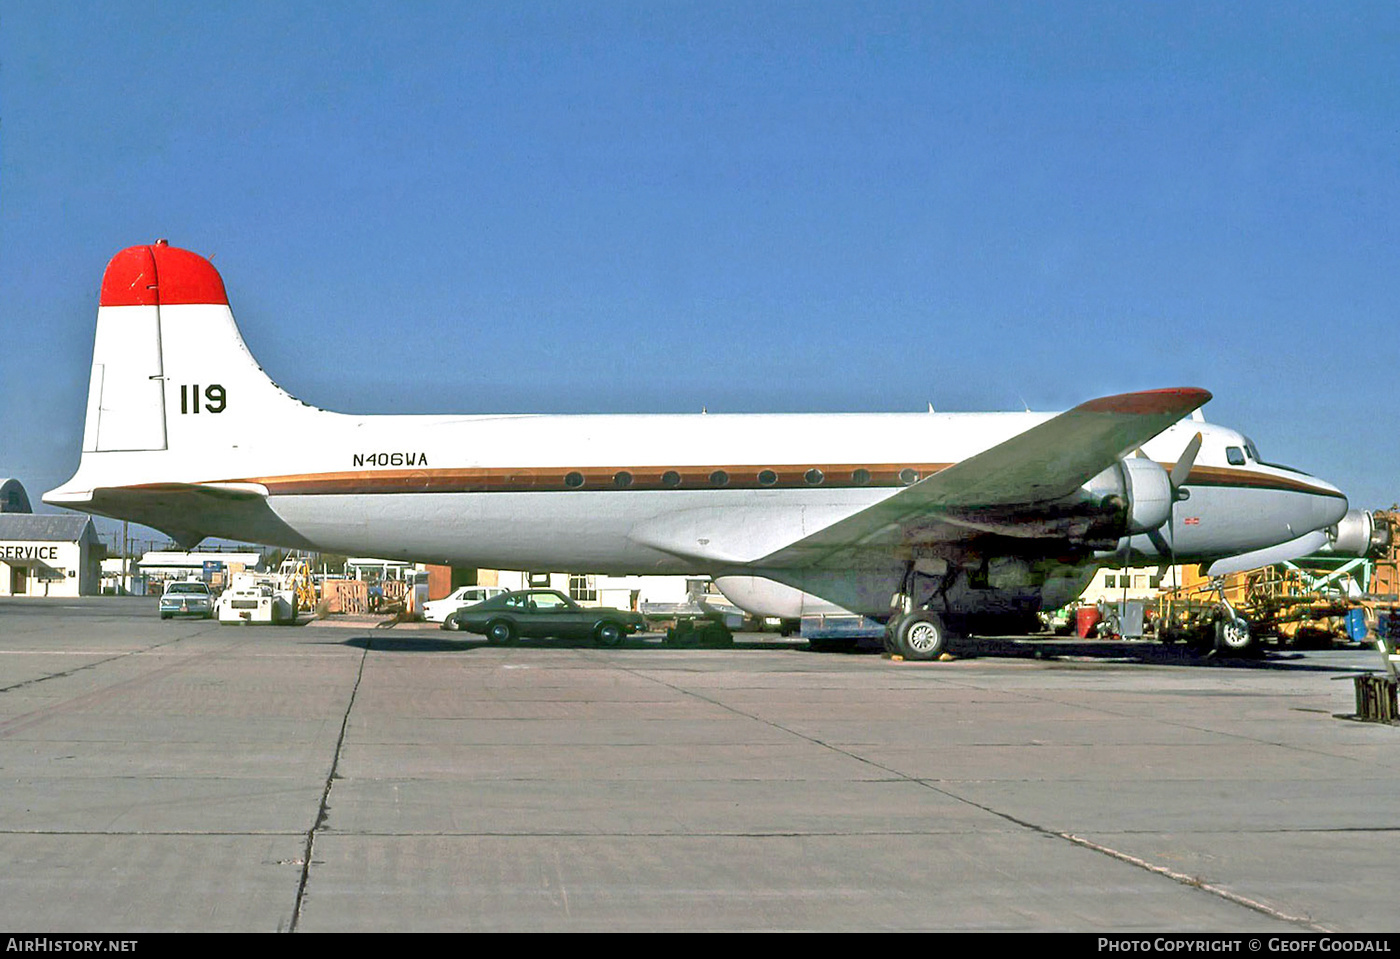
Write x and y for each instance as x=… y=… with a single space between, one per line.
x=719 y=478
x=908 y=476
x=767 y=478
x=622 y=479
x=860 y=477
x=573 y=480
x=813 y=476
x=671 y=478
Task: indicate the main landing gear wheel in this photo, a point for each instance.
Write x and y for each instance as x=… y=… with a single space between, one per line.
x=919 y=636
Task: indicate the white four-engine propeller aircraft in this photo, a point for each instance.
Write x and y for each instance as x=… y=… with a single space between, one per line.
x=938 y=523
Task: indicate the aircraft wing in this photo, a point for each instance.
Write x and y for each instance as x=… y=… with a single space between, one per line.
x=1044 y=464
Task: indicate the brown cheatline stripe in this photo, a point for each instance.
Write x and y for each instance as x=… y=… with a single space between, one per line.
x=596 y=478
x=1216 y=476
x=833 y=476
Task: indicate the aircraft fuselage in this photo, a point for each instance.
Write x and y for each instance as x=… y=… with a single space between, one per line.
x=186 y=433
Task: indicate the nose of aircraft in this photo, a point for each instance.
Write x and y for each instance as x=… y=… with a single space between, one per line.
x=1324 y=508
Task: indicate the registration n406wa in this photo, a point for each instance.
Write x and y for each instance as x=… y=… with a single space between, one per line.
x=937 y=523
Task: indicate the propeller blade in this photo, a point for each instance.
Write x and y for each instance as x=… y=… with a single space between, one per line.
x=1155 y=537
x=1282 y=553
x=1185 y=462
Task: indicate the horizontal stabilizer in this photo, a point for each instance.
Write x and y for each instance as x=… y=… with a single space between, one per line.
x=188 y=512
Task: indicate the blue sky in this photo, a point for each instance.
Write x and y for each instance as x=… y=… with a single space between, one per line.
x=659 y=206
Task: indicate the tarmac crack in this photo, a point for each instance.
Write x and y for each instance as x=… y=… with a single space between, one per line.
x=23 y=721
x=324 y=810
x=1194 y=882
x=92 y=665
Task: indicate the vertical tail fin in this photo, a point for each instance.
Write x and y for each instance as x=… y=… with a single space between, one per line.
x=177 y=405
x=169 y=369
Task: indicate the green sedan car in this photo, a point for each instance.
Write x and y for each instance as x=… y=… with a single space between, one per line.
x=543 y=612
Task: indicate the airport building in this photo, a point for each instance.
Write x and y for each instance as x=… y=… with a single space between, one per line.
x=44 y=555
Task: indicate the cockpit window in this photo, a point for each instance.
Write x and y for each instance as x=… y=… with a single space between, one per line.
x=1252 y=452
x=1234 y=455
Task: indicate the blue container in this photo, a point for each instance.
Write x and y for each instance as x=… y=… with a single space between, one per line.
x=1356 y=625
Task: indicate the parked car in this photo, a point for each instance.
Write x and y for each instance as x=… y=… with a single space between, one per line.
x=186 y=599
x=436 y=610
x=543 y=612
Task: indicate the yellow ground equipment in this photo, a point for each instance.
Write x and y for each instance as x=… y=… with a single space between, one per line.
x=295 y=576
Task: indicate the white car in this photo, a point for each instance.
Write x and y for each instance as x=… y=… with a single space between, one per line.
x=439 y=609
x=186 y=599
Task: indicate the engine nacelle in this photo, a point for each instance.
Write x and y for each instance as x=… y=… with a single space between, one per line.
x=1358 y=534
x=1139 y=488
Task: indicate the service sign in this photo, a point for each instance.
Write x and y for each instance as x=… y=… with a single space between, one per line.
x=29 y=552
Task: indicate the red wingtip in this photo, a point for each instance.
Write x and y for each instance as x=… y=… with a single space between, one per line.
x=1182 y=400
x=163 y=275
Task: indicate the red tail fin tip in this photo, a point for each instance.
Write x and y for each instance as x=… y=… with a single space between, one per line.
x=160 y=275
